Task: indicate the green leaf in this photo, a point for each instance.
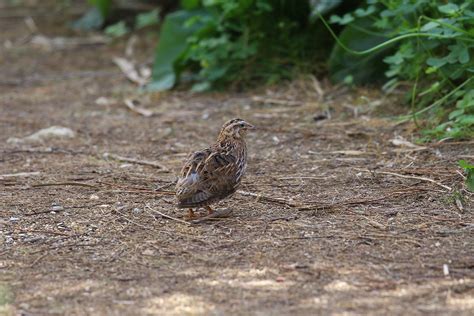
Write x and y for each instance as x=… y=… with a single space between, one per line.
x=361 y=12
x=346 y=19
x=459 y=53
x=465 y=165
x=396 y=59
x=465 y=120
x=470 y=174
x=463 y=56
x=470 y=181
x=436 y=62
x=171 y=47
x=147 y=19
x=91 y=20
x=103 y=6
x=363 y=69
x=117 y=30
x=322 y=7
x=455 y=114
x=429 y=26
x=190 y=4
x=201 y=86
x=449 y=8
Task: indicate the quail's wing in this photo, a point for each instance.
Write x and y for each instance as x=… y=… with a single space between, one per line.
x=205 y=175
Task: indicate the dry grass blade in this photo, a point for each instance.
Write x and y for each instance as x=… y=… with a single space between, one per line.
x=19 y=174
x=81 y=184
x=132 y=107
x=136 y=161
x=269 y=198
x=167 y=216
x=413 y=177
x=128 y=68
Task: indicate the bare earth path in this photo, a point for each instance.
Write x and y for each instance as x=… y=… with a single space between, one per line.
x=336 y=216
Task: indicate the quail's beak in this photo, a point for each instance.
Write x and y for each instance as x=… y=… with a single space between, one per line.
x=249 y=126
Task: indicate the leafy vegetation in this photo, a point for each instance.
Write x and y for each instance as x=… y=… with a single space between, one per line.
x=238 y=41
x=423 y=47
x=470 y=174
x=431 y=53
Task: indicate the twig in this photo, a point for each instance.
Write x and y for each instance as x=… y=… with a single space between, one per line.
x=443 y=143
x=269 y=198
x=132 y=107
x=164 y=186
x=133 y=189
x=63 y=209
x=136 y=161
x=321 y=205
x=20 y=174
x=46 y=232
x=128 y=69
x=167 y=216
x=413 y=177
x=66 y=245
x=459 y=205
x=312 y=178
x=140 y=192
x=131 y=221
x=82 y=184
x=47 y=150
x=37 y=260
x=260 y=99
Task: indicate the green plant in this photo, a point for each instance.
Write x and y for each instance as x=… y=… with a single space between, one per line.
x=430 y=46
x=235 y=41
x=101 y=10
x=94 y=19
x=470 y=174
x=141 y=20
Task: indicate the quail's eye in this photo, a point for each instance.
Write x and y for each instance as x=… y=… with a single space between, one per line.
x=242 y=125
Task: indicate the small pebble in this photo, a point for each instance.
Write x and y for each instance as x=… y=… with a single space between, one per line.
x=445 y=269
x=57 y=208
x=14 y=219
x=136 y=210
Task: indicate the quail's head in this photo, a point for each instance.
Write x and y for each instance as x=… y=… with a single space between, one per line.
x=236 y=128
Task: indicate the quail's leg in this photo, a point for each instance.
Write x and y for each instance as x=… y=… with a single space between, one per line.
x=209 y=209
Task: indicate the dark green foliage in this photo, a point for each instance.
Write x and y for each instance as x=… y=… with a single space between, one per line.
x=470 y=174
x=94 y=19
x=242 y=41
x=103 y=6
x=345 y=67
x=436 y=41
x=172 y=47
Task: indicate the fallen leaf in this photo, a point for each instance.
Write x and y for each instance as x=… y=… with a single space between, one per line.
x=131 y=105
x=128 y=68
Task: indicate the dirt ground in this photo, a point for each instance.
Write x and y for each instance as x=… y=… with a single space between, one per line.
x=339 y=213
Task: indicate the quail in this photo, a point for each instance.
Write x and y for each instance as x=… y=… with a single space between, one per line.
x=214 y=173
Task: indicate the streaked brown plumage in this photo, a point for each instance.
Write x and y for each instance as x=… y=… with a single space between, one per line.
x=214 y=173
